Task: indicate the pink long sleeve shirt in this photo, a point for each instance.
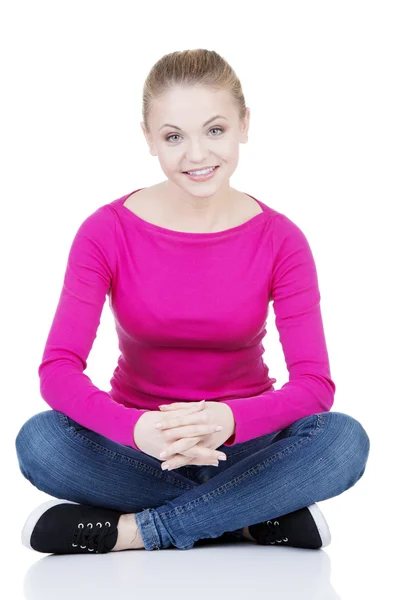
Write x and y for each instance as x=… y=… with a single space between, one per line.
x=190 y=313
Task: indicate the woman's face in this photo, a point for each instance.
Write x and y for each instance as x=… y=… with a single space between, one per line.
x=186 y=143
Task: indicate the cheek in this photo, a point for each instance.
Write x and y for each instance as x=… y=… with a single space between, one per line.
x=232 y=151
x=167 y=159
x=227 y=151
x=169 y=164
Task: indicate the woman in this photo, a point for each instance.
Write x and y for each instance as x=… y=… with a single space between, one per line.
x=190 y=266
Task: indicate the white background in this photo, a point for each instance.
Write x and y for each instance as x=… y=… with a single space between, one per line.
x=321 y=79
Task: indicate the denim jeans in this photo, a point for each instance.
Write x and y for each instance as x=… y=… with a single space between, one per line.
x=315 y=458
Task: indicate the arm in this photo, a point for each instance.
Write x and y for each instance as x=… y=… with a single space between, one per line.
x=63 y=384
x=296 y=296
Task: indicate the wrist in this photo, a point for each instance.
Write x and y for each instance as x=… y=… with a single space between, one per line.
x=231 y=421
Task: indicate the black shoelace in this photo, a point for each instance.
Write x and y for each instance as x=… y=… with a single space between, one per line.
x=91 y=536
x=272 y=533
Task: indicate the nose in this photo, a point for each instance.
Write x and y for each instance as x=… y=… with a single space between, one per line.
x=197 y=153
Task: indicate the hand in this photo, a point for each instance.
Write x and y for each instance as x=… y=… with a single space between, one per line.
x=151 y=441
x=180 y=425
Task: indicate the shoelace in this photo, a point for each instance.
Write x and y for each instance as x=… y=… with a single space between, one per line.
x=270 y=534
x=91 y=537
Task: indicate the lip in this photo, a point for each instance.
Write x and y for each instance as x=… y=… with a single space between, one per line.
x=200 y=178
x=200 y=168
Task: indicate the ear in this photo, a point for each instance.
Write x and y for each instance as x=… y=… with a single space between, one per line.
x=149 y=139
x=244 y=137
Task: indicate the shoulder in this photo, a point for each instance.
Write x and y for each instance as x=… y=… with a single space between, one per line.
x=284 y=227
x=99 y=224
x=289 y=242
x=94 y=240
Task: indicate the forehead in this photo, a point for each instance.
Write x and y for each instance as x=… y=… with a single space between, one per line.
x=191 y=105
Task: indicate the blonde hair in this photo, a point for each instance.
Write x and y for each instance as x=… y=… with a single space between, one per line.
x=191 y=67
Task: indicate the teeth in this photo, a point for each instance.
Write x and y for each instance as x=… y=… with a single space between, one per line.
x=201 y=172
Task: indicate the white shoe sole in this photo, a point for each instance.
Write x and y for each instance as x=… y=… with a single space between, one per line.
x=321 y=524
x=34 y=518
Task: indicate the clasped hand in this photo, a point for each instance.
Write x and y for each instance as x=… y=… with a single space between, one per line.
x=185 y=421
x=187 y=434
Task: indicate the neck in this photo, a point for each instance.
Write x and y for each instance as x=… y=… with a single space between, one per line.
x=207 y=210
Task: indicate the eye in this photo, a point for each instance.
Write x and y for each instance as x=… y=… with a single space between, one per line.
x=171 y=136
x=168 y=138
x=217 y=129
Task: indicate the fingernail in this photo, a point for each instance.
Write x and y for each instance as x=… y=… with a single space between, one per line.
x=221 y=457
x=164 y=466
x=219 y=428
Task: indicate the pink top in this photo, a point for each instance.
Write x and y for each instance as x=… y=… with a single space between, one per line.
x=190 y=312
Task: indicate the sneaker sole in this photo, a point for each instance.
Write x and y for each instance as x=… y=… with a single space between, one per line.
x=321 y=524
x=34 y=518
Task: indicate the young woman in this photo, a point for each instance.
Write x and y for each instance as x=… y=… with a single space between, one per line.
x=189 y=266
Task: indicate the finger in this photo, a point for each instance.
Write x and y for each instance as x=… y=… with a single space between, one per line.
x=181 y=405
x=189 y=418
x=179 y=447
x=189 y=447
x=208 y=455
x=172 y=467
x=186 y=432
x=177 y=461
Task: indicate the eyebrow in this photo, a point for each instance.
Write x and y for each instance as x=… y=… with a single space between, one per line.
x=206 y=123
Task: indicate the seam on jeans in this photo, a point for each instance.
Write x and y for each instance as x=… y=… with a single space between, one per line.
x=155 y=534
x=256 y=441
x=136 y=462
x=254 y=470
x=165 y=475
x=148 y=527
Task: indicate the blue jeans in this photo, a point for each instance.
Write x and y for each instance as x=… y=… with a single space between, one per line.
x=315 y=458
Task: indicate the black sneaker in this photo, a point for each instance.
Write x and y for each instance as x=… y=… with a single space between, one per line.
x=303 y=528
x=64 y=527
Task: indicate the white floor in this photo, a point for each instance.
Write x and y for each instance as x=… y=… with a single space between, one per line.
x=356 y=565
